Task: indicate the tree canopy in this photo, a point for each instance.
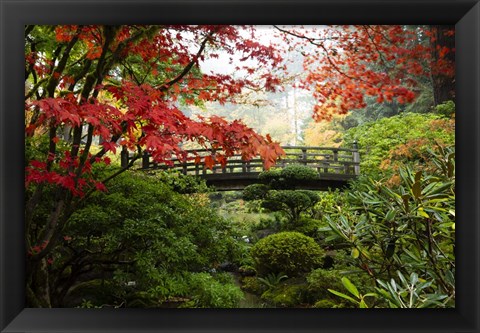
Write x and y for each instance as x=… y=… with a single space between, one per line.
x=92 y=90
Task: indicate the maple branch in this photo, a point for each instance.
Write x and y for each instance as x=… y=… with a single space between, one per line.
x=114 y=139
x=33 y=51
x=131 y=72
x=116 y=54
x=115 y=57
x=52 y=149
x=81 y=74
x=383 y=35
x=89 y=85
x=313 y=42
x=110 y=33
x=35 y=87
x=187 y=68
x=382 y=56
x=55 y=77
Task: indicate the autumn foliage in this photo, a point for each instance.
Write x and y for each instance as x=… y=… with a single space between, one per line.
x=345 y=64
x=86 y=90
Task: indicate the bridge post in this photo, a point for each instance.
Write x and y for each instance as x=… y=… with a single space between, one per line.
x=304 y=156
x=145 y=160
x=356 y=158
x=124 y=157
x=327 y=164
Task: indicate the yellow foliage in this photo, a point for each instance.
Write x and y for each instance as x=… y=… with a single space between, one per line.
x=324 y=133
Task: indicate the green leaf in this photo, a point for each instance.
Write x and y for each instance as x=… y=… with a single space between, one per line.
x=364 y=252
x=363 y=305
x=413 y=278
x=343 y=296
x=421 y=212
x=355 y=253
x=390 y=215
x=331 y=238
x=350 y=287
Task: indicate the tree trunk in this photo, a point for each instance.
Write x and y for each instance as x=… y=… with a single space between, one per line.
x=38 y=291
x=443 y=78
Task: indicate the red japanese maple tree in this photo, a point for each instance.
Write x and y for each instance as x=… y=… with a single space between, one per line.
x=122 y=84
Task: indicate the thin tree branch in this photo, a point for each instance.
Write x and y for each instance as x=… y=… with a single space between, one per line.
x=187 y=68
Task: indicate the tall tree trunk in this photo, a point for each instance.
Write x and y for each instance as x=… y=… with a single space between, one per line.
x=443 y=84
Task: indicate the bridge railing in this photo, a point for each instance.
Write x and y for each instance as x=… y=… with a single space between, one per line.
x=326 y=160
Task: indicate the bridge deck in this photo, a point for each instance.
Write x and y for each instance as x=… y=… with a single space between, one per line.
x=335 y=166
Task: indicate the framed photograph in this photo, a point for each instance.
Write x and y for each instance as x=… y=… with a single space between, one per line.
x=324 y=138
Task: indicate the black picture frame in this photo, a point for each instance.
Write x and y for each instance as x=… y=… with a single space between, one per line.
x=14 y=14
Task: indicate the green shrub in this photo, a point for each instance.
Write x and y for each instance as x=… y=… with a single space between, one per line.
x=209 y=293
x=223 y=278
x=291 y=253
x=294 y=173
x=288 y=177
x=181 y=183
x=252 y=285
x=285 y=296
x=274 y=221
x=319 y=281
x=376 y=139
x=255 y=192
x=290 y=202
x=272 y=280
x=247 y=270
x=269 y=176
x=325 y=304
x=150 y=234
x=306 y=226
x=446 y=109
x=407 y=227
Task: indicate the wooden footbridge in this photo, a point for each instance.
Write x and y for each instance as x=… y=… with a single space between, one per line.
x=335 y=167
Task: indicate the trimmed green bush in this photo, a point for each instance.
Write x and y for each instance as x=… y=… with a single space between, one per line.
x=291 y=202
x=291 y=253
x=288 y=177
x=266 y=177
x=294 y=173
x=255 y=192
x=307 y=226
